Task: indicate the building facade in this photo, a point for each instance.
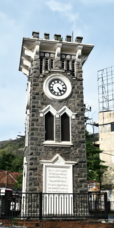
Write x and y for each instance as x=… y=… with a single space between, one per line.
x=55 y=153
x=106 y=144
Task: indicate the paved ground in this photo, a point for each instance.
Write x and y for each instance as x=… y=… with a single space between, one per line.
x=2 y=226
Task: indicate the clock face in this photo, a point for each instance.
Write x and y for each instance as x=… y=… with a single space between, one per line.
x=57 y=87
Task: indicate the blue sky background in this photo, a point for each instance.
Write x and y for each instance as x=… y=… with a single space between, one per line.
x=92 y=19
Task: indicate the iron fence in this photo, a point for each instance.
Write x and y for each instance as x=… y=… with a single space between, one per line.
x=53 y=205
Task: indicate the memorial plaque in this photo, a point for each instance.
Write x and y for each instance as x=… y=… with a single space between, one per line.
x=57 y=175
x=57 y=180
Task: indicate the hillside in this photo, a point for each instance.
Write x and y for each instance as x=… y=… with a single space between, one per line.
x=11 y=154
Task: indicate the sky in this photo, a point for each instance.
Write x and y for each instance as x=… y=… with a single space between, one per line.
x=92 y=19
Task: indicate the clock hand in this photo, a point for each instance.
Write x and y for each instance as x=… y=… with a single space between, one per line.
x=59 y=89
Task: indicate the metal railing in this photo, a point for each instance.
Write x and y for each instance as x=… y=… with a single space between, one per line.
x=53 y=205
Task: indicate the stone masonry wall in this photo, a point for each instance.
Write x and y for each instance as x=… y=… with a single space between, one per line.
x=36 y=150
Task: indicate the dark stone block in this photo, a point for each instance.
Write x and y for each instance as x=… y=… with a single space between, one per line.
x=83 y=190
x=33 y=158
x=30 y=153
x=30 y=163
x=34 y=138
x=36 y=184
x=32 y=189
x=32 y=178
x=82 y=180
x=32 y=168
x=37 y=153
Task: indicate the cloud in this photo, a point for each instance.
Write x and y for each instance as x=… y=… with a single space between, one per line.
x=66 y=9
x=96 y=2
x=57 y=6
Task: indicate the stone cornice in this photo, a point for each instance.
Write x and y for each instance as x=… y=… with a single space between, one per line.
x=31 y=47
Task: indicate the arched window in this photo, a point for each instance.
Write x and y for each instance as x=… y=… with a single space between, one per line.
x=49 y=126
x=65 y=127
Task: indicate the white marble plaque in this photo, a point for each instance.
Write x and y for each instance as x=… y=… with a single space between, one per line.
x=57 y=180
x=57 y=175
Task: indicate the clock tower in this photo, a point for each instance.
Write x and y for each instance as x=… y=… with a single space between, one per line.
x=54 y=153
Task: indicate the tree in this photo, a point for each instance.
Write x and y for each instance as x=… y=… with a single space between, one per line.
x=6 y=161
x=18 y=183
x=95 y=166
x=11 y=157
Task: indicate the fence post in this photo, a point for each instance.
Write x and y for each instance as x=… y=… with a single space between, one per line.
x=40 y=209
x=105 y=204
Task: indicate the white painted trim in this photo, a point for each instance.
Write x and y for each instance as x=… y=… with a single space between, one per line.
x=79 y=54
x=57 y=70
x=58 y=51
x=58 y=157
x=61 y=144
x=24 y=174
x=23 y=205
x=63 y=110
x=25 y=71
x=64 y=79
x=48 y=108
x=28 y=95
x=35 y=51
x=26 y=128
x=27 y=52
x=26 y=62
x=58 y=114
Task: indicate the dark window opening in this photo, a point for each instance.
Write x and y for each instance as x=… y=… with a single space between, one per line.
x=51 y=63
x=73 y=68
x=112 y=126
x=49 y=126
x=41 y=65
x=62 y=64
x=46 y=64
x=65 y=128
x=67 y=65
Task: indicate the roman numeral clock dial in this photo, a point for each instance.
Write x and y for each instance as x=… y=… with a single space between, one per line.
x=57 y=87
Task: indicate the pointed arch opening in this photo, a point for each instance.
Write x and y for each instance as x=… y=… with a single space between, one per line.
x=65 y=127
x=49 y=126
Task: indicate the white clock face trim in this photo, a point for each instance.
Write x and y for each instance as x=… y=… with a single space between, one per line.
x=57 y=87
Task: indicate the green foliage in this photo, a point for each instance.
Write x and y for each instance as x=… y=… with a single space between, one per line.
x=21 y=144
x=11 y=157
x=95 y=166
x=6 y=161
x=17 y=164
x=18 y=183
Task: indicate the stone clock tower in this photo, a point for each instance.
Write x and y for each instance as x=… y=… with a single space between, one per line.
x=54 y=154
